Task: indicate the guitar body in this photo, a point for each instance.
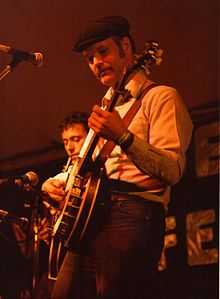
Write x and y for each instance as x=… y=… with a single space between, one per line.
x=92 y=213
x=85 y=211
x=56 y=255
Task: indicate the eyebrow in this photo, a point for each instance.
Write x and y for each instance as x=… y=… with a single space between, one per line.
x=85 y=53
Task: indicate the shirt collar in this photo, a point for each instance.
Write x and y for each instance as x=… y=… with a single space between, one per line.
x=133 y=86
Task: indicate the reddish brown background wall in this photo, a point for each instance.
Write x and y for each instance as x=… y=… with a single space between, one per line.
x=34 y=100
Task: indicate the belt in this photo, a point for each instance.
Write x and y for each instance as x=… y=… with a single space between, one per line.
x=122 y=186
x=124 y=197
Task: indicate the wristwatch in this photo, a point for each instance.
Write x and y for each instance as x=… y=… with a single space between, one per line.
x=125 y=140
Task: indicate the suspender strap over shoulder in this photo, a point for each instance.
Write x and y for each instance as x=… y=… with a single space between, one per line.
x=110 y=145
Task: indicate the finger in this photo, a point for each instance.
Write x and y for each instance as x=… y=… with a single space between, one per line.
x=100 y=113
x=58 y=184
x=94 y=124
x=97 y=109
x=54 y=187
x=56 y=197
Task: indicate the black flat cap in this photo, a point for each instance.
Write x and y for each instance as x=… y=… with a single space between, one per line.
x=100 y=28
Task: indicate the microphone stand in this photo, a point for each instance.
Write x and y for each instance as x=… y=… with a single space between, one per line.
x=36 y=223
x=34 y=230
x=35 y=220
x=38 y=209
x=10 y=67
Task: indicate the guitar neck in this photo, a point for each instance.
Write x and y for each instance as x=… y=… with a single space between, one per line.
x=86 y=153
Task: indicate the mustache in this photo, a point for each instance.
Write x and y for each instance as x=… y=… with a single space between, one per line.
x=101 y=70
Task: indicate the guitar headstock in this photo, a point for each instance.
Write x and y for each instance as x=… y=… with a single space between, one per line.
x=151 y=54
x=142 y=60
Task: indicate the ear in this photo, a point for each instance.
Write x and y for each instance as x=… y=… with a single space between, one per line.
x=126 y=45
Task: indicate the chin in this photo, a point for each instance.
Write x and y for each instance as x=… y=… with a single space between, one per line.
x=107 y=81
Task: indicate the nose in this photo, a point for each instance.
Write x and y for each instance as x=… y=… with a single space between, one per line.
x=97 y=61
x=70 y=147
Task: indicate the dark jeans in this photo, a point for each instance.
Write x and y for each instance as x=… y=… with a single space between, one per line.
x=125 y=253
x=76 y=278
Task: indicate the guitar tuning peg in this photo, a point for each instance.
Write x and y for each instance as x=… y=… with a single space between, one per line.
x=160 y=52
x=159 y=59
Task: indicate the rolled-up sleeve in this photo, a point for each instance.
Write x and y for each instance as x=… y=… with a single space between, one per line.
x=169 y=135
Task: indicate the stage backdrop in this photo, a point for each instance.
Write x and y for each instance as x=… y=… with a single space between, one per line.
x=188 y=268
x=34 y=100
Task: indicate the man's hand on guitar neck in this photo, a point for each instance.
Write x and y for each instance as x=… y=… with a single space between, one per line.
x=108 y=125
x=55 y=189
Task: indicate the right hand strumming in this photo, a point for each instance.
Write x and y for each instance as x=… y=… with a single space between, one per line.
x=55 y=189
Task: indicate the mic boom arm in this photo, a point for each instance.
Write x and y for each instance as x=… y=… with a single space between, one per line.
x=17 y=57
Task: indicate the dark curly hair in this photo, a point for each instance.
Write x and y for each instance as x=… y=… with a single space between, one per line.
x=75 y=117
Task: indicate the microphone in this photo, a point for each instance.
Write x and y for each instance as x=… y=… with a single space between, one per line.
x=30 y=178
x=4 y=215
x=34 y=58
